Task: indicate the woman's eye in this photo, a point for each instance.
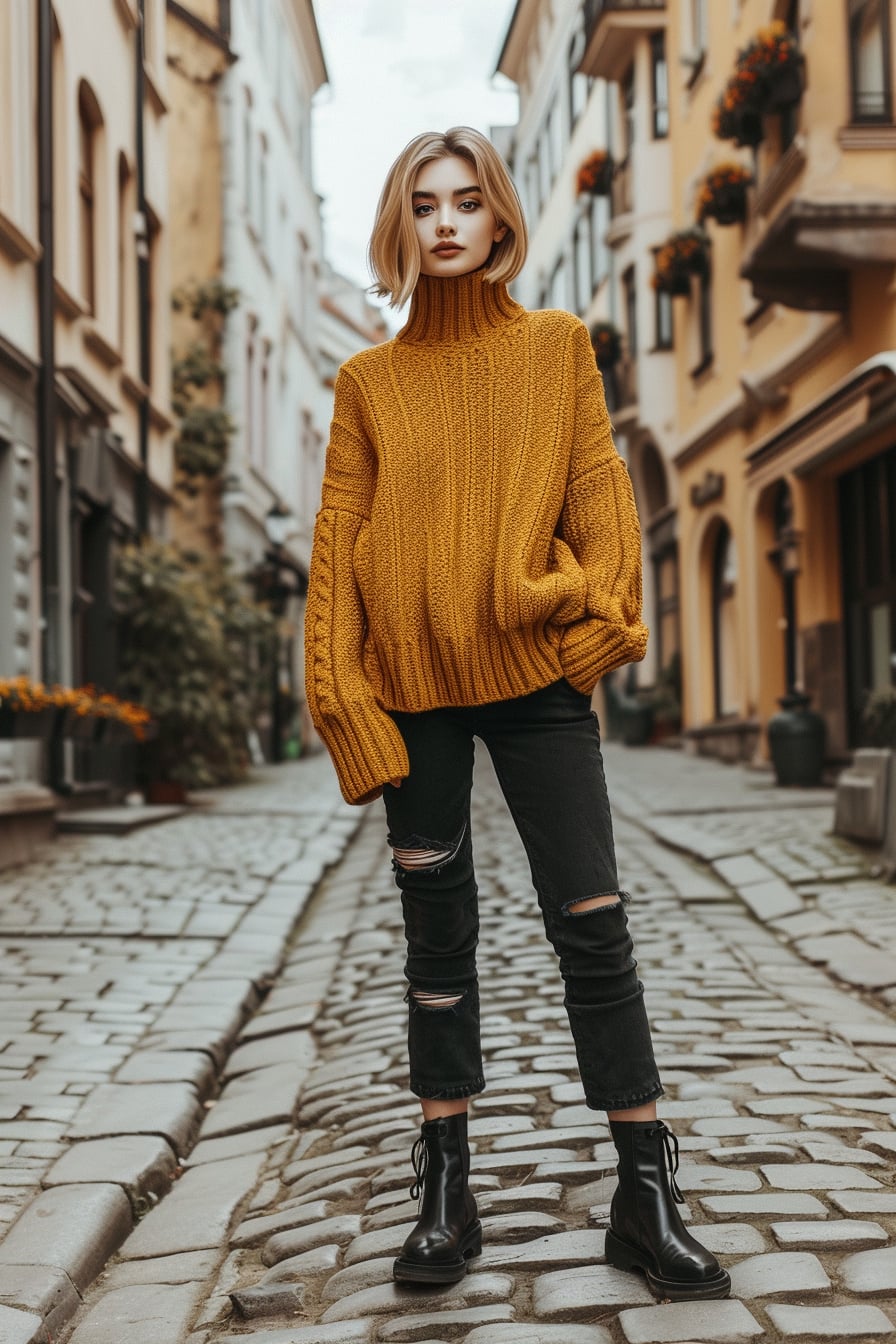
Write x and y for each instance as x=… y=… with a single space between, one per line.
x=469 y=206
x=421 y=210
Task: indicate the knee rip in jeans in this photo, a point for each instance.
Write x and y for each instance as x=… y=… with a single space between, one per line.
x=432 y=999
x=417 y=854
x=610 y=900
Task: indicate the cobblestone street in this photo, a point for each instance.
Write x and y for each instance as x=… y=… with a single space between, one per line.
x=162 y=1017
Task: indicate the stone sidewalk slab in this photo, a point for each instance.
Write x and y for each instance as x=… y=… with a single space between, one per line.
x=75 y=1228
x=860 y=1321
x=19 y=1327
x=140 y=1315
x=199 y=1210
x=171 y=1110
x=143 y=1165
x=726 y=1322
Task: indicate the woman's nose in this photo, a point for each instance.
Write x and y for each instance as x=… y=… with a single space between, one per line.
x=445 y=225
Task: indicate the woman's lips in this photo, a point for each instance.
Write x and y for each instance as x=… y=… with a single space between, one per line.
x=448 y=250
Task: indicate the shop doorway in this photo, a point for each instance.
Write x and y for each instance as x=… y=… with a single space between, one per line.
x=868 y=531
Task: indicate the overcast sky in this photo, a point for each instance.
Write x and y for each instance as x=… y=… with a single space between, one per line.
x=397 y=67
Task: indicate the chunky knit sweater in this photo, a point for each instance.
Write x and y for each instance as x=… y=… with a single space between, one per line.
x=477 y=537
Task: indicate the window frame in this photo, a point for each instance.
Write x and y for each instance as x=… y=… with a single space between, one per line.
x=857 y=116
x=659 y=88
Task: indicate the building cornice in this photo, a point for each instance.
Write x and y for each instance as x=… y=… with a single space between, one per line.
x=767 y=388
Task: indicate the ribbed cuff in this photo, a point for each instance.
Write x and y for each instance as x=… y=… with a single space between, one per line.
x=367 y=751
x=591 y=648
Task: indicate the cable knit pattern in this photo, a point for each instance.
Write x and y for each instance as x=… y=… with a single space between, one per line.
x=477 y=537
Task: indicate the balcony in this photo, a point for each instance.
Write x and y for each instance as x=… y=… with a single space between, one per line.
x=612 y=27
x=805 y=257
x=621 y=388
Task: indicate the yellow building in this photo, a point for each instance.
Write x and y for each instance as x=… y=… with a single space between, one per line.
x=783 y=458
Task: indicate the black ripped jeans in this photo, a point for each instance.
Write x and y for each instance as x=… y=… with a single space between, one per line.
x=545 y=748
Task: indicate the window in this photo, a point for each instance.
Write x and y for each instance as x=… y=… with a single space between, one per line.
x=724 y=624
x=699 y=17
x=627 y=89
x=263 y=192
x=659 y=86
x=598 y=230
x=88 y=124
x=630 y=304
x=585 y=281
x=124 y=227
x=663 y=323
x=579 y=84
x=247 y=150
x=704 y=320
x=869 y=57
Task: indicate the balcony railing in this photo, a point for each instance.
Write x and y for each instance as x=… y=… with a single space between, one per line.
x=611 y=26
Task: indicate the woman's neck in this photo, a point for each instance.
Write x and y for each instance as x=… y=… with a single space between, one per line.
x=462 y=308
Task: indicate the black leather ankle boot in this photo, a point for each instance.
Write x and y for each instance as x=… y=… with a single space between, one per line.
x=646 y=1231
x=448 y=1231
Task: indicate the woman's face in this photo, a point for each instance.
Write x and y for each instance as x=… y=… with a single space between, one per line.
x=456 y=227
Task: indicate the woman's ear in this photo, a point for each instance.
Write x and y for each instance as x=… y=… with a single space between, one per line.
x=500 y=233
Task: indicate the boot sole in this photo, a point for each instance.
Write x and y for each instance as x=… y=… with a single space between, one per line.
x=621 y=1255
x=422 y=1271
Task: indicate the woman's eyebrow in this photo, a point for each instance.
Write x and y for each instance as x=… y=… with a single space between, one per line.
x=431 y=196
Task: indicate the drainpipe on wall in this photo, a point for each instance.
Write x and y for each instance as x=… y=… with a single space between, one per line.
x=46 y=391
x=143 y=296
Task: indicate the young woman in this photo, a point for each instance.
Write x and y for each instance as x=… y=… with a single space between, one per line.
x=476 y=570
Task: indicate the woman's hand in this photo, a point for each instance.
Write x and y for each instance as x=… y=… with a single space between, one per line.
x=396 y=783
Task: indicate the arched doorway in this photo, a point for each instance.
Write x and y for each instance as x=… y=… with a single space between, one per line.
x=725 y=653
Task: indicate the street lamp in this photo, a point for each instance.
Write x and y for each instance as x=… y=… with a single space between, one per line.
x=280 y=578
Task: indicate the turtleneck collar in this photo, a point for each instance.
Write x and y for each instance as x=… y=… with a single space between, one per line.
x=460 y=308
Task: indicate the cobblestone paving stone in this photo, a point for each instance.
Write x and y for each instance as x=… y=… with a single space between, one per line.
x=127 y=967
x=780 y=1086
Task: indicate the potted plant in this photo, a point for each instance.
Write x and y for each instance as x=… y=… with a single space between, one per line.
x=683 y=255
x=195 y=651
x=723 y=195
x=27 y=709
x=778 y=65
x=595 y=174
x=606 y=340
x=768 y=76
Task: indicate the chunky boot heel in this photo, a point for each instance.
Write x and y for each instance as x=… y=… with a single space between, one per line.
x=646 y=1231
x=448 y=1232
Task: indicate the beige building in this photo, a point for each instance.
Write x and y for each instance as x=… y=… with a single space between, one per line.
x=85 y=428
x=786 y=421
x=752 y=244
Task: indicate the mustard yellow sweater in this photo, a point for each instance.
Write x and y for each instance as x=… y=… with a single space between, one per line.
x=477 y=537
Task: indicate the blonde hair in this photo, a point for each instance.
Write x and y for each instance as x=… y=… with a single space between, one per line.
x=394 y=253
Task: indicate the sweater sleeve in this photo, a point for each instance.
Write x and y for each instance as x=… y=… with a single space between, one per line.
x=599 y=523
x=362 y=739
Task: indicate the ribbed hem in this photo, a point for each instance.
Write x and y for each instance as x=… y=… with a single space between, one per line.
x=591 y=648
x=367 y=751
x=423 y=675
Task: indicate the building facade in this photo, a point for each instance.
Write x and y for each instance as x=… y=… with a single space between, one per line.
x=85 y=425
x=753 y=201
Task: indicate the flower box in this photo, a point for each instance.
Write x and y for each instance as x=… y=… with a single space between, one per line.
x=723 y=196
x=682 y=256
x=606 y=340
x=595 y=174
x=768 y=76
x=75 y=727
x=26 y=723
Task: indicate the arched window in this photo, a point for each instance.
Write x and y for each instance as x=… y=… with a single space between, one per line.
x=869 y=56
x=724 y=624
x=124 y=251
x=89 y=122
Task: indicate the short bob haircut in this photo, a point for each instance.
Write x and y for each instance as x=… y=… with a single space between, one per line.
x=394 y=252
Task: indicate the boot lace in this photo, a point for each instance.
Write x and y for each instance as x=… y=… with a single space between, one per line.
x=420 y=1162
x=671 y=1158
